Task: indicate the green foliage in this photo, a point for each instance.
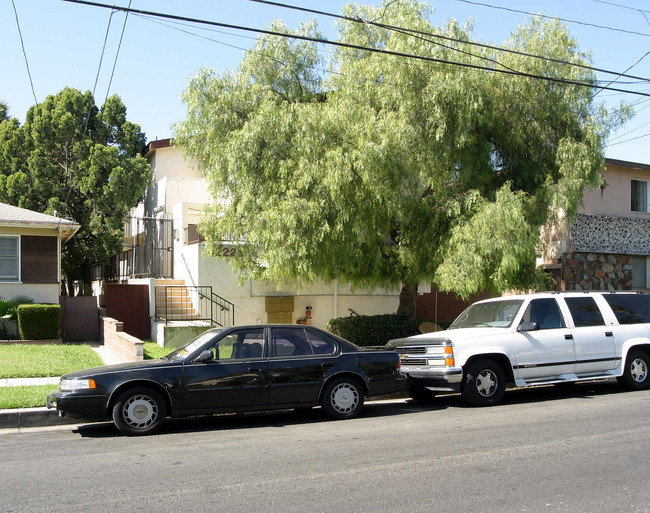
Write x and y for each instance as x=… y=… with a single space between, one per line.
x=31 y=396
x=392 y=170
x=81 y=162
x=39 y=321
x=373 y=330
x=38 y=361
x=9 y=313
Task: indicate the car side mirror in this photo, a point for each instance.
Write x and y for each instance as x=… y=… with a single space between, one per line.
x=204 y=356
x=528 y=326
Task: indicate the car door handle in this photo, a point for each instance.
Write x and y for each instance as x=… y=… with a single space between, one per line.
x=255 y=369
x=324 y=365
x=568 y=337
x=609 y=334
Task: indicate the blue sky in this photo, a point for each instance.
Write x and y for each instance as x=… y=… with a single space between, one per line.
x=63 y=43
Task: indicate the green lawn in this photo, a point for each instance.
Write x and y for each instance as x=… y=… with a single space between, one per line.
x=24 y=397
x=152 y=351
x=37 y=361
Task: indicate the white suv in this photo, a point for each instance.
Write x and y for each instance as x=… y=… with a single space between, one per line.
x=533 y=339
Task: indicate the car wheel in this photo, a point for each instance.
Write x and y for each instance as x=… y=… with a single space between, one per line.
x=421 y=394
x=636 y=374
x=484 y=383
x=139 y=411
x=342 y=399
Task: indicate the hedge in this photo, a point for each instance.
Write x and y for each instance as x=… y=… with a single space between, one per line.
x=39 y=321
x=373 y=330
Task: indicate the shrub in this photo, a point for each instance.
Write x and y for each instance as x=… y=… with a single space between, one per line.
x=39 y=321
x=373 y=330
x=9 y=313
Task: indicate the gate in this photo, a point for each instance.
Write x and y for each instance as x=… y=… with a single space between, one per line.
x=79 y=318
x=130 y=304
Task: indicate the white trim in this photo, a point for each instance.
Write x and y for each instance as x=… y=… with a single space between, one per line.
x=18 y=254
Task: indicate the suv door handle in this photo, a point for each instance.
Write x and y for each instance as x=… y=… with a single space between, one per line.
x=568 y=337
x=325 y=365
x=609 y=334
x=255 y=369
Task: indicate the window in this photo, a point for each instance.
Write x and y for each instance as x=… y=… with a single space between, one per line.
x=291 y=342
x=545 y=313
x=630 y=308
x=584 y=311
x=639 y=200
x=9 y=258
x=640 y=273
x=240 y=344
x=321 y=343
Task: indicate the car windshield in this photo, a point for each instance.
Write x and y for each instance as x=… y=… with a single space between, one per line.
x=192 y=345
x=493 y=314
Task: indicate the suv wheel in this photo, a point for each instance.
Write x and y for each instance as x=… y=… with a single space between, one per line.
x=484 y=383
x=636 y=375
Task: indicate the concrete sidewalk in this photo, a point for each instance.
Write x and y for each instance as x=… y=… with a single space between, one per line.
x=34 y=417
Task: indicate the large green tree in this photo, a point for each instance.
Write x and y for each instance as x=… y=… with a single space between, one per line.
x=82 y=163
x=388 y=170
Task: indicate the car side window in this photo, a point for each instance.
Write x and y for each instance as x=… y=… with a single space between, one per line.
x=545 y=312
x=630 y=308
x=239 y=344
x=290 y=342
x=585 y=311
x=321 y=343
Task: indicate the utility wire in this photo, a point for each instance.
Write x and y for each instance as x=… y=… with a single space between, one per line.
x=117 y=53
x=354 y=47
x=22 y=44
x=577 y=22
x=438 y=36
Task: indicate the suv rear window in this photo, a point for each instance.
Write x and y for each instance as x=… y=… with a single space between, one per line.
x=630 y=308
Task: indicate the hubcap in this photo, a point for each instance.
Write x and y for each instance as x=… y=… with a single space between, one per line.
x=486 y=383
x=639 y=370
x=344 y=398
x=140 y=411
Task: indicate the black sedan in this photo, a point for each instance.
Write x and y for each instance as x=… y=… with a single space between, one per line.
x=242 y=368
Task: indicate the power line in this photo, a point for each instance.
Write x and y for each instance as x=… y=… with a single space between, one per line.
x=447 y=38
x=577 y=22
x=355 y=47
x=117 y=53
x=22 y=44
x=642 y=11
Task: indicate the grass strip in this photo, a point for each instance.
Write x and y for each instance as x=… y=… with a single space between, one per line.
x=37 y=361
x=151 y=351
x=31 y=396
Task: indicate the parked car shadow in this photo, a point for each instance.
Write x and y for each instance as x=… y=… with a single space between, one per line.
x=277 y=419
x=372 y=409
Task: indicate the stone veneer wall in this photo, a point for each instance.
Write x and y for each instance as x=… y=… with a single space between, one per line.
x=594 y=271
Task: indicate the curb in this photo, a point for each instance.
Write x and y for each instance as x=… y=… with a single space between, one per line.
x=32 y=417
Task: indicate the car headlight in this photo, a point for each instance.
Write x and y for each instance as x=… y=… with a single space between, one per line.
x=77 y=384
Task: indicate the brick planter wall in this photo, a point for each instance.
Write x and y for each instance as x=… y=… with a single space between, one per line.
x=126 y=347
x=594 y=271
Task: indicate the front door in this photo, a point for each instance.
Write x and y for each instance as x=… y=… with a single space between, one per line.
x=236 y=376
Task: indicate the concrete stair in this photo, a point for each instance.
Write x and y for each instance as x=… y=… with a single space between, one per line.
x=179 y=304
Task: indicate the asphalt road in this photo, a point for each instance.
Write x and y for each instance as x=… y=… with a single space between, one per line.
x=544 y=449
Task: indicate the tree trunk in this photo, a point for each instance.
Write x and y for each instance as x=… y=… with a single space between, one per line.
x=407 y=300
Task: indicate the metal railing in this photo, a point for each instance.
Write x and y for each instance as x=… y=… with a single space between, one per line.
x=190 y=303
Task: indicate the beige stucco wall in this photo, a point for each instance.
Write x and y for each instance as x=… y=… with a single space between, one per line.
x=168 y=162
x=613 y=198
x=46 y=293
